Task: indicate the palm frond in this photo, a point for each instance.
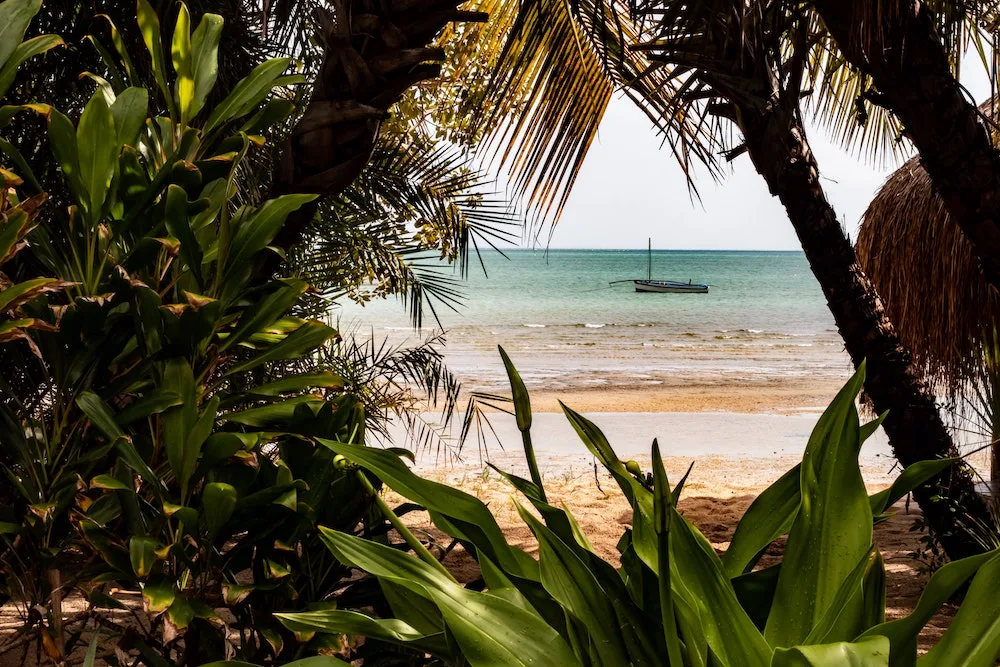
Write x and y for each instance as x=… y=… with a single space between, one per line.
x=419 y=212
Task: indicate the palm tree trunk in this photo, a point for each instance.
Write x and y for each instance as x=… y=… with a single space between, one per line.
x=777 y=144
x=896 y=43
x=374 y=52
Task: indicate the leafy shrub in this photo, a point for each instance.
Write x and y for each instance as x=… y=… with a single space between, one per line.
x=145 y=444
x=673 y=601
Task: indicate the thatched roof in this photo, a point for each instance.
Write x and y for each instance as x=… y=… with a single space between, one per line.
x=928 y=277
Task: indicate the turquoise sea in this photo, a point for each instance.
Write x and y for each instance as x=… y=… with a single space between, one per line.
x=565 y=326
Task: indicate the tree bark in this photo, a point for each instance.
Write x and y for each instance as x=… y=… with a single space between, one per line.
x=777 y=144
x=896 y=43
x=375 y=50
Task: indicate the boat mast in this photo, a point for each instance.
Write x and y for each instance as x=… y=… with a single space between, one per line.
x=649 y=263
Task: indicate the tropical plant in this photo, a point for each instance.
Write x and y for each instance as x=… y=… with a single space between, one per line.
x=673 y=600
x=148 y=445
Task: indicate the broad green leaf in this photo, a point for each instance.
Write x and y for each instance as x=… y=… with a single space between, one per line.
x=838 y=624
x=149 y=25
x=488 y=629
x=180 y=52
x=142 y=553
x=218 y=502
x=205 y=59
x=259 y=226
x=943 y=584
x=62 y=140
x=27 y=49
x=462 y=510
x=152 y=403
x=22 y=292
x=248 y=93
x=129 y=113
x=177 y=422
x=869 y=652
x=391 y=630
x=913 y=476
x=663 y=500
x=303 y=340
x=873 y=588
x=99 y=414
x=769 y=517
x=271 y=414
x=832 y=530
x=179 y=226
x=98 y=153
x=571 y=583
x=158 y=597
x=15 y=15
x=196 y=437
x=697 y=576
x=323 y=379
x=181 y=612
x=266 y=311
x=973 y=638
x=108 y=482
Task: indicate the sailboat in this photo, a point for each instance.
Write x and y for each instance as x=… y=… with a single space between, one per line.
x=671 y=286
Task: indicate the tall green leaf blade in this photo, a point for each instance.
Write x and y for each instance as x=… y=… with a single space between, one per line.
x=266 y=311
x=490 y=630
x=259 y=226
x=98 y=152
x=769 y=517
x=248 y=93
x=913 y=476
x=303 y=340
x=522 y=402
x=571 y=583
x=149 y=25
x=129 y=113
x=62 y=140
x=468 y=511
x=943 y=584
x=180 y=54
x=15 y=16
x=27 y=49
x=697 y=576
x=218 y=502
x=178 y=224
x=205 y=59
x=833 y=528
x=99 y=413
x=973 y=638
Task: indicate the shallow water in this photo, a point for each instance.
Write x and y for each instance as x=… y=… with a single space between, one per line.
x=566 y=327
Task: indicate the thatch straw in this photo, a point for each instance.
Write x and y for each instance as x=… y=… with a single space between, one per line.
x=928 y=278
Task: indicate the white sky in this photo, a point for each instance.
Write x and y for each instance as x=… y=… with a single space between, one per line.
x=630 y=189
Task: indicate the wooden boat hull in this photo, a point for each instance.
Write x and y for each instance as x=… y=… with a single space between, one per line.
x=669 y=286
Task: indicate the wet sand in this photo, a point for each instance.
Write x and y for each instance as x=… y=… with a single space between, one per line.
x=765 y=395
